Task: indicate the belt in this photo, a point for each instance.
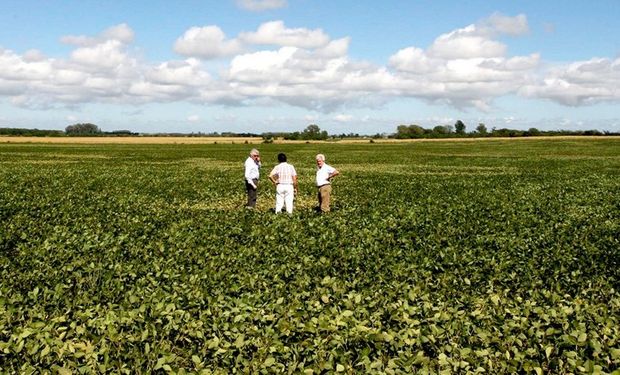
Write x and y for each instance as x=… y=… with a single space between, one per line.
x=320 y=186
x=285 y=183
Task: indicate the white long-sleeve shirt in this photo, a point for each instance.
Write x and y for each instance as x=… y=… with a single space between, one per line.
x=251 y=170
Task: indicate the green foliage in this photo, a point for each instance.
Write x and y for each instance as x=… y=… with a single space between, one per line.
x=311 y=133
x=443 y=129
x=82 y=129
x=409 y=131
x=30 y=132
x=439 y=257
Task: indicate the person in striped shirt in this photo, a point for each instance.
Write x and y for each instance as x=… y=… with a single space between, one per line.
x=284 y=177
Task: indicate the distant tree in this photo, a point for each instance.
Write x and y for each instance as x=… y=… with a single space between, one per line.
x=313 y=132
x=267 y=137
x=402 y=131
x=595 y=132
x=31 y=132
x=505 y=132
x=409 y=131
x=460 y=127
x=439 y=129
x=292 y=136
x=443 y=129
x=121 y=133
x=481 y=129
x=82 y=129
x=532 y=132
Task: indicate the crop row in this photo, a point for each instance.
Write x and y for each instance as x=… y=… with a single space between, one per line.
x=490 y=257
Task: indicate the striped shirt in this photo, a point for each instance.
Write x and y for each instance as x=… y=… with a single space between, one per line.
x=284 y=172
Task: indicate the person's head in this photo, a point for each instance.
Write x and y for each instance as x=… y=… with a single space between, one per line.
x=254 y=154
x=282 y=157
x=320 y=160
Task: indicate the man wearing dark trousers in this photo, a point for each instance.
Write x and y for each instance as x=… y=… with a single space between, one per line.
x=252 y=167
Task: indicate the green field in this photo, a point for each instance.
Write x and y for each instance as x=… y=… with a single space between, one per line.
x=499 y=256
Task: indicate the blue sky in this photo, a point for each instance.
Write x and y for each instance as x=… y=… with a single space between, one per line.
x=278 y=65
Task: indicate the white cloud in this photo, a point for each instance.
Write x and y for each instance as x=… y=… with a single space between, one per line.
x=193 y=118
x=187 y=73
x=109 y=54
x=412 y=60
x=260 y=5
x=121 y=33
x=206 y=42
x=261 y=66
x=466 y=68
x=335 y=48
x=465 y=43
x=502 y=24
x=580 y=83
x=343 y=118
x=33 y=55
x=17 y=68
x=275 y=33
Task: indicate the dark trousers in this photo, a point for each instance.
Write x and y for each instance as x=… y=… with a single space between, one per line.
x=252 y=193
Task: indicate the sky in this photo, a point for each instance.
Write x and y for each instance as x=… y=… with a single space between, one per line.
x=349 y=66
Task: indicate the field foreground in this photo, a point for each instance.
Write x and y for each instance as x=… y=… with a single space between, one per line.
x=454 y=257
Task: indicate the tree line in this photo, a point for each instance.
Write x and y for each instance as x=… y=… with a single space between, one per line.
x=458 y=130
x=81 y=129
x=313 y=132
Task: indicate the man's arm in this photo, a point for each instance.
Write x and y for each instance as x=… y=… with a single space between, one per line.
x=333 y=174
x=273 y=176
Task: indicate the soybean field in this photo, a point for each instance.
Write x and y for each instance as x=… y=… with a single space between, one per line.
x=495 y=257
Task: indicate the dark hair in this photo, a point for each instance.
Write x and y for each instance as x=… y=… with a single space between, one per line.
x=281 y=157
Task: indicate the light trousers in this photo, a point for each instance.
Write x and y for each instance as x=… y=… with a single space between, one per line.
x=324 y=196
x=284 y=197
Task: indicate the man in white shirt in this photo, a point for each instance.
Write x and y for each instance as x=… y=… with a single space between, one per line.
x=252 y=166
x=284 y=177
x=324 y=174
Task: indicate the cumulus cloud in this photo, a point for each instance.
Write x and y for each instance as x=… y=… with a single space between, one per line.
x=579 y=83
x=276 y=33
x=468 y=68
x=343 y=118
x=121 y=33
x=260 y=5
x=464 y=44
x=183 y=73
x=108 y=54
x=14 y=67
x=503 y=24
x=206 y=42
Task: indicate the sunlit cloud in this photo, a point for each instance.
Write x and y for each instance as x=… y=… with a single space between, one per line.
x=274 y=65
x=206 y=42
